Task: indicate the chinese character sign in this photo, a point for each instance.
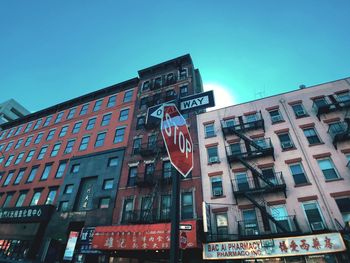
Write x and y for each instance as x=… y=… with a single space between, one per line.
x=280 y=247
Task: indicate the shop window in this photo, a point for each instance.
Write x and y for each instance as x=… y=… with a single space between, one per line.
x=216 y=186
x=209 y=130
x=311 y=136
x=298 y=173
x=328 y=169
x=276 y=116
x=71 y=113
x=84 y=143
x=84 y=109
x=213 y=154
x=286 y=141
x=186 y=205
x=76 y=127
x=313 y=215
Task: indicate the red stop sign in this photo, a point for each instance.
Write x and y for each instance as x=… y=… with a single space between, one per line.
x=183 y=240
x=177 y=139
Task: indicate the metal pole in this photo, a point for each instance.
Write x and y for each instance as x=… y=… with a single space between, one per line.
x=175 y=218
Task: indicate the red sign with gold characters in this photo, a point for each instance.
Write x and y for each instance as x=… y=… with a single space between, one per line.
x=277 y=247
x=140 y=237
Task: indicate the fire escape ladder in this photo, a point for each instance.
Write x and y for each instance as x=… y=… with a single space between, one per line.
x=265 y=213
x=255 y=171
x=248 y=142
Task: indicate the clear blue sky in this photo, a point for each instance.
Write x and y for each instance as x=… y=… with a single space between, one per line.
x=51 y=51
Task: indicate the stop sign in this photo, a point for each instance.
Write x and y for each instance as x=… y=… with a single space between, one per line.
x=183 y=240
x=177 y=139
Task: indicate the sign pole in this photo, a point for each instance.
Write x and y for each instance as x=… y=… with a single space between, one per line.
x=175 y=217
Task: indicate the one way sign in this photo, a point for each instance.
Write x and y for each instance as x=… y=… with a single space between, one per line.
x=197 y=101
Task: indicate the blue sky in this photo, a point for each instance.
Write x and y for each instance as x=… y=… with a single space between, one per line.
x=51 y=51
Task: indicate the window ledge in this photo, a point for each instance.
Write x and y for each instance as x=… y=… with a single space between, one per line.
x=304 y=116
x=289 y=149
x=218 y=197
x=277 y=122
x=332 y=180
x=214 y=163
x=212 y=136
x=315 y=144
x=301 y=185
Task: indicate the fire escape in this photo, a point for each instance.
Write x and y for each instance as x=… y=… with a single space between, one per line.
x=261 y=182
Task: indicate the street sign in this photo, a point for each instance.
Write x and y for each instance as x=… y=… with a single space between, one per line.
x=177 y=139
x=155 y=113
x=197 y=101
x=185 y=227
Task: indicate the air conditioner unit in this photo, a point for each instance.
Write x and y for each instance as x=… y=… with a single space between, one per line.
x=317 y=226
x=251 y=232
x=276 y=118
x=214 y=159
x=299 y=113
x=217 y=192
x=287 y=145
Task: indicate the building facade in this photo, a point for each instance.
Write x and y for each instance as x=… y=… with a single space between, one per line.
x=276 y=181
x=141 y=221
x=11 y=110
x=60 y=169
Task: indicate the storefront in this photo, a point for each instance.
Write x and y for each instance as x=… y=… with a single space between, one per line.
x=146 y=242
x=328 y=248
x=21 y=231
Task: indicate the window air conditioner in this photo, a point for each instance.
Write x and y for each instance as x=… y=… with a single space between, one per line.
x=217 y=192
x=299 y=113
x=213 y=159
x=317 y=226
x=287 y=145
x=276 y=118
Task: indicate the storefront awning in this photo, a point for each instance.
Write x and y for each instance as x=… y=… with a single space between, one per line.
x=141 y=237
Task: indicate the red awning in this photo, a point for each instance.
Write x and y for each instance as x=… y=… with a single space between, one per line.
x=141 y=237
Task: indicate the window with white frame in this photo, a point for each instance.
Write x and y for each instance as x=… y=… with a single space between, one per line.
x=299 y=110
x=313 y=215
x=298 y=173
x=311 y=136
x=186 y=205
x=328 y=169
x=344 y=208
x=216 y=186
x=221 y=223
x=213 y=156
x=276 y=116
x=209 y=130
x=286 y=141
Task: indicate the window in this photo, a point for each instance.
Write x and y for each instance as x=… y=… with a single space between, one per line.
x=128 y=95
x=114 y=161
x=136 y=146
x=167 y=170
x=63 y=207
x=20 y=200
x=286 y=141
x=19 y=177
x=8 y=178
x=242 y=181
x=128 y=209
x=84 y=109
x=71 y=113
x=106 y=119
x=59 y=117
x=328 y=169
x=183 y=91
x=221 y=224
x=216 y=186
x=298 y=173
x=9 y=145
x=209 y=130
x=108 y=184
x=213 y=154
x=186 y=205
x=63 y=131
x=250 y=223
x=68 y=189
x=46 y=172
x=35 y=198
x=29 y=125
x=19 y=129
x=97 y=105
x=91 y=123
x=9 y=160
x=28 y=141
x=69 y=146
x=140 y=122
x=124 y=114
x=119 y=135
x=336 y=128
x=19 y=158
x=18 y=144
x=343 y=97
x=313 y=215
x=1 y=160
x=145 y=85
x=84 y=143
x=10 y=133
x=112 y=100
x=60 y=169
x=37 y=124
x=143 y=103
x=311 y=136
x=165 y=207
x=100 y=139
x=170 y=78
x=275 y=116
x=132 y=176
x=32 y=174
x=76 y=127
x=42 y=153
x=55 y=149
x=2 y=135
x=344 y=208
x=51 y=197
x=104 y=203
x=47 y=121
x=8 y=200
x=50 y=134
x=38 y=138
x=149 y=171
x=183 y=73
x=299 y=110
x=75 y=168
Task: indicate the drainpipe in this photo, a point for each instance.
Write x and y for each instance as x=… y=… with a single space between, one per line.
x=308 y=161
